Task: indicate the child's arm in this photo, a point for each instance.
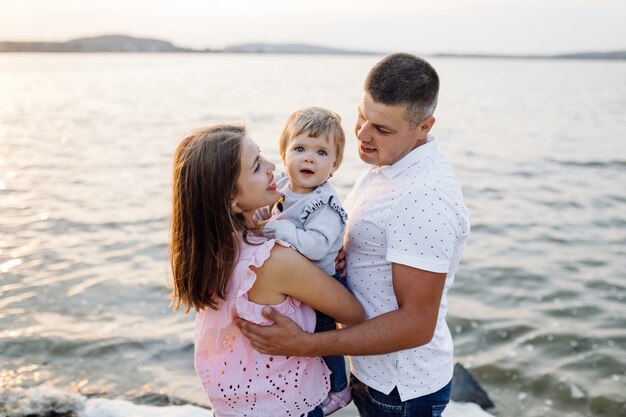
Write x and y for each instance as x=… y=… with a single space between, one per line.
x=318 y=235
x=312 y=287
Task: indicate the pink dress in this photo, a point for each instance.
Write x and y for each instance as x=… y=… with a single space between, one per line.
x=240 y=381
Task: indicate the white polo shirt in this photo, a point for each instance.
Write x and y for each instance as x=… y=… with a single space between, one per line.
x=410 y=213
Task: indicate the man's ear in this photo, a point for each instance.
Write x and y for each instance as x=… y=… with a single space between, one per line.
x=426 y=125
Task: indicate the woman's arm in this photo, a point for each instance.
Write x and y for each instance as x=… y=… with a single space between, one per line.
x=418 y=293
x=287 y=272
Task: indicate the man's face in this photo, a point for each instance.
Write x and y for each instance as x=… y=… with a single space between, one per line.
x=384 y=135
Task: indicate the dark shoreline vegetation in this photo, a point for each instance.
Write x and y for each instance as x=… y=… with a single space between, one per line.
x=129 y=44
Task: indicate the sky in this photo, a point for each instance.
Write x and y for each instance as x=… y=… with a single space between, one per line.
x=437 y=26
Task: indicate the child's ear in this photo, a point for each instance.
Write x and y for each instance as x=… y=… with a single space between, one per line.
x=335 y=166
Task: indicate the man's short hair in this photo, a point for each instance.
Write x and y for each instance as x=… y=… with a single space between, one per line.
x=405 y=79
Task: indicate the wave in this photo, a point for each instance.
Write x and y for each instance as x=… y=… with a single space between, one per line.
x=616 y=163
x=50 y=401
x=60 y=225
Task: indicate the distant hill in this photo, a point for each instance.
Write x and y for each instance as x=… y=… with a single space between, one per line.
x=292 y=48
x=107 y=43
x=124 y=43
x=613 y=55
x=594 y=55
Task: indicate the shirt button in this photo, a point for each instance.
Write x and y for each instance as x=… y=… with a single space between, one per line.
x=318 y=191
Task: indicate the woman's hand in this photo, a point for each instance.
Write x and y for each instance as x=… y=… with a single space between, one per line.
x=284 y=337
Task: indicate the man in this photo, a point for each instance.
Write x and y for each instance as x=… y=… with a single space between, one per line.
x=406 y=231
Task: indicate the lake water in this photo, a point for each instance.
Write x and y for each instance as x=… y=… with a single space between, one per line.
x=538 y=308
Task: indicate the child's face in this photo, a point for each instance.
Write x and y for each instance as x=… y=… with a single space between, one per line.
x=309 y=161
x=255 y=182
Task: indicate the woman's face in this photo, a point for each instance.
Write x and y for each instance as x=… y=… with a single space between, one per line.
x=255 y=182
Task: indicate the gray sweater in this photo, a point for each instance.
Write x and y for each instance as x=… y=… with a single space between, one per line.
x=313 y=223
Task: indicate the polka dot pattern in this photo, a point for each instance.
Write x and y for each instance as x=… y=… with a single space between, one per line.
x=410 y=213
x=240 y=381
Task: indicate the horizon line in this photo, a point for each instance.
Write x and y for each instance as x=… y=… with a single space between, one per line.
x=343 y=49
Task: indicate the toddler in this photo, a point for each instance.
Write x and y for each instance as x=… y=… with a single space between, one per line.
x=309 y=215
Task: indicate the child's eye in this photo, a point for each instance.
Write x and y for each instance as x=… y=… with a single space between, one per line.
x=257 y=167
x=299 y=149
x=322 y=152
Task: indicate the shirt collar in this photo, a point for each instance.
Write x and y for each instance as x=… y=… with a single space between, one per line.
x=429 y=148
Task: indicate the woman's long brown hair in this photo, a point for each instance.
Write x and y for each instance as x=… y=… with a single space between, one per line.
x=204 y=239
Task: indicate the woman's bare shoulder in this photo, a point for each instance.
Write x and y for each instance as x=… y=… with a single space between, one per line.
x=275 y=277
x=282 y=259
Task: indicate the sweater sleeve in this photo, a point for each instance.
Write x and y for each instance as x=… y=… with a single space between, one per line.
x=319 y=231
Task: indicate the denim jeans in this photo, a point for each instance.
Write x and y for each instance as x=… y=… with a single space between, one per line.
x=317 y=412
x=336 y=364
x=372 y=403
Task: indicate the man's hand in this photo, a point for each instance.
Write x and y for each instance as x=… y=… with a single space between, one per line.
x=284 y=337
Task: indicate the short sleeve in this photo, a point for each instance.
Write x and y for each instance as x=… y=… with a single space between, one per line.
x=421 y=230
x=247 y=309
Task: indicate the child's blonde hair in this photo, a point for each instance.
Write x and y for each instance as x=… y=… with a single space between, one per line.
x=315 y=122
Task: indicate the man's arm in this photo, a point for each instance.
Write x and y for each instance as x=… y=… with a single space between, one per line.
x=418 y=293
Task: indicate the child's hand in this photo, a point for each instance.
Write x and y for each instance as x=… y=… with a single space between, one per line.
x=340 y=263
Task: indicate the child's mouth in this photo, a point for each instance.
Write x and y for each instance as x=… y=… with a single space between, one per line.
x=306 y=172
